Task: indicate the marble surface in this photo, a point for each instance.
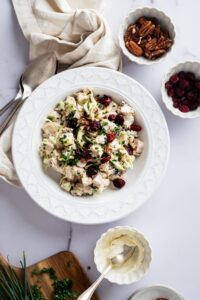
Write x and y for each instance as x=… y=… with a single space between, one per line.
x=170 y=219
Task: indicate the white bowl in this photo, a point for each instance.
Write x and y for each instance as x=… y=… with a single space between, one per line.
x=156 y=291
x=131 y=18
x=112 y=204
x=188 y=66
x=124 y=274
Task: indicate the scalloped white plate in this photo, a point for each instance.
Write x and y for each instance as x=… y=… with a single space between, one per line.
x=111 y=205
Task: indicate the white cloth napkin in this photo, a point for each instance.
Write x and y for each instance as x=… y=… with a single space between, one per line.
x=76 y=32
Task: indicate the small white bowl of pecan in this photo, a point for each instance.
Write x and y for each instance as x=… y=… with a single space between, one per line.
x=147 y=35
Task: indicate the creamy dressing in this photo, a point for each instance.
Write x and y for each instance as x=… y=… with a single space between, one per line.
x=116 y=247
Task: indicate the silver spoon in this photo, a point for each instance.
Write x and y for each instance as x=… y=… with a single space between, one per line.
x=116 y=261
x=39 y=70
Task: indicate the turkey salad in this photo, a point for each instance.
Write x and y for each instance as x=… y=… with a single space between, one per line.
x=91 y=141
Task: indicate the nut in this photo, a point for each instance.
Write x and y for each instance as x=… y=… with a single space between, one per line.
x=146 y=29
x=152 y=44
x=157 y=53
x=147 y=38
x=134 y=48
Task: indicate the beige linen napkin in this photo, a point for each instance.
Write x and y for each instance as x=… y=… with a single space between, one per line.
x=76 y=32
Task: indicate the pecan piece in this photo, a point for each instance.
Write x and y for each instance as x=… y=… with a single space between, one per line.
x=134 y=48
x=146 y=29
x=166 y=44
x=157 y=53
x=142 y=20
x=127 y=37
x=157 y=31
x=151 y=45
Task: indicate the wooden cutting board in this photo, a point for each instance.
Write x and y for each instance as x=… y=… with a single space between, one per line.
x=66 y=265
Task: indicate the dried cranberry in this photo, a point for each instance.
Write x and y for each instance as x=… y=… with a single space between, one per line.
x=198 y=99
x=105 y=100
x=175 y=104
x=119 y=119
x=185 y=101
x=176 y=99
x=111 y=117
x=190 y=75
x=129 y=150
x=171 y=92
x=174 y=78
x=110 y=137
x=184 y=84
x=136 y=127
x=119 y=183
x=193 y=105
x=168 y=85
x=191 y=95
x=181 y=74
x=92 y=171
x=179 y=92
x=105 y=158
x=82 y=153
x=184 y=108
x=197 y=85
x=94 y=125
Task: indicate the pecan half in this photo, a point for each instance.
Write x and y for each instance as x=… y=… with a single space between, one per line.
x=134 y=48
x=146 y=29
x=166 y=44
x=152 y=44
x=157 y=53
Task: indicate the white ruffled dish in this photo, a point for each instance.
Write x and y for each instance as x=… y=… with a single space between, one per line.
x=188 y=66
x=131 y=18
x=112 y=204
x=125 y=274
x=156 y=291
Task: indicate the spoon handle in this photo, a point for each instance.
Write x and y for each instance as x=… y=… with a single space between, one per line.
x=87 y=295
x=10 y=103
x=10 y=116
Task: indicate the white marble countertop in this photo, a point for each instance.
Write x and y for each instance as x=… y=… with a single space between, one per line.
x=170 y=219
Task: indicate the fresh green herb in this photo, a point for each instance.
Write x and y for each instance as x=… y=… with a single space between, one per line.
x=68 y=159
x=50 y=271
x=116 y=129
x=63 y=290
x=101 y=130
x=51 y=118
x=100 y=105
x=71 y=114
x=104 y=123
x=12 y=287
x=37 y=295
x=72 y=162
x=87 y=139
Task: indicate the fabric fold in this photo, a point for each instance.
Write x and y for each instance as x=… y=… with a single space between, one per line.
x=76 y=32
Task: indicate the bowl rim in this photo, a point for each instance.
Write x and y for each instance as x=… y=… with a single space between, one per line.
x=142 y=60
x=167 y=100
x=156 y=286
x=142 y=237
x=79 y=213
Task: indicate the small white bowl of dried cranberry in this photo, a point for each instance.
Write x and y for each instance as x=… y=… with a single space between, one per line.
x=181 y=89
x=146 y=35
